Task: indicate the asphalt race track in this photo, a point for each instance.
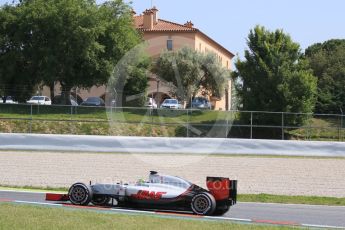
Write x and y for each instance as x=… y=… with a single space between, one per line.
x=281 y=214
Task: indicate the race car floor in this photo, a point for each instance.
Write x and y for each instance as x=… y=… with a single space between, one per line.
x=279 y=214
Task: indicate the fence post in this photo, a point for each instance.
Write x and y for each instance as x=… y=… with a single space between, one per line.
x=30 y=129
x=71 y=129
x=341 y=127
x=227 y=124
x=187 y=123
x=151 y=112
x=283 y=138
x=251 y=125
x=111 y=111
x=339 y=132
x=309 y=127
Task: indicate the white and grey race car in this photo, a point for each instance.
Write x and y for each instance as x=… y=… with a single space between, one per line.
x=161 y=192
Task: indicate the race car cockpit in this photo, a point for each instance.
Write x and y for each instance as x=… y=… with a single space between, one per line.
x=154 y=177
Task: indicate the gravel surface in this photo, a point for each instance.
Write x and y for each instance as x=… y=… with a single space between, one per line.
x=283 y=176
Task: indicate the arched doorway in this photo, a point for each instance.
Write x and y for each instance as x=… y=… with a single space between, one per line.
x=159 y=97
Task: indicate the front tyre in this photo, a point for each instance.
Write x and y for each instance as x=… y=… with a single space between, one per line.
x=203 y=204
x=80 y=194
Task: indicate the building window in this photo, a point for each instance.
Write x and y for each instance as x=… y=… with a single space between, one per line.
x=200 y=47
x=170 y=44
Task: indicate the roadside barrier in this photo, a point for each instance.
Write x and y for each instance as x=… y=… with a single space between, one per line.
x=165 y=145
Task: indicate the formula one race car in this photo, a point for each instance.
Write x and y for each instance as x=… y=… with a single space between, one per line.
x=161 y=192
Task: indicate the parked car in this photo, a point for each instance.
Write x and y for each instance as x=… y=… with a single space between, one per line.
x=39 y=100
x=93 y=101
x=151 y=103
x=9 y=100
x=171 y=104
x=57 y=100
x=201 y=103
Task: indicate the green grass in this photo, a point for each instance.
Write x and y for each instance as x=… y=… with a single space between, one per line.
x=313 y=200
x=145 y=122
x=122 y=114
x=33 y=189
x=36 y=217
x=320 y=128
x=95 y=121
x=263 y=155
x=85 y=128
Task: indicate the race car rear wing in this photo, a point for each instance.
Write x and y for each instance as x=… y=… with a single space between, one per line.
x=222 y=188
x=233 y=191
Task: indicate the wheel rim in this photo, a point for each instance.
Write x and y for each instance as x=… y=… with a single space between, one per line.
x=78 y=194
x=201 y=204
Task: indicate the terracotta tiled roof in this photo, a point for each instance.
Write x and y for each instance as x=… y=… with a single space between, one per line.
x=162 y=25
x=167 y=26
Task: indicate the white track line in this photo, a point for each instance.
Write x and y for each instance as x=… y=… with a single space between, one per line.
x=227 y=218
x=37 y=203
x=131 y=211
x=321 y=226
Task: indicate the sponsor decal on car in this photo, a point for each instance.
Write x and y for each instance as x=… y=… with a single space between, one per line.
x=148 y=195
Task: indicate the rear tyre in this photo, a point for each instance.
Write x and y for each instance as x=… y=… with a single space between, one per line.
x=203 y=204
x=100 y=200
x=80 y=194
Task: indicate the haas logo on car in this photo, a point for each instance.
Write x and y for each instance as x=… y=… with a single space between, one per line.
x=147 y=195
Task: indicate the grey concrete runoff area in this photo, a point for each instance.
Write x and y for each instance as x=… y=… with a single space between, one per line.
x=48 y=142
x=280 y=176
x=60 y=160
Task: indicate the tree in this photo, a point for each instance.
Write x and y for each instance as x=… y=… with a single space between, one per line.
x=215 y=77
x=274 y=77
x=190 y=71
x=135 y=89
x=129 y=82
x=136 y=81
x=15 y=70
x=73 y=42
x=328 y=63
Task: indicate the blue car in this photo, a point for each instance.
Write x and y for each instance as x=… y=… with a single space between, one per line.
x=93 y=101
x=201 y=103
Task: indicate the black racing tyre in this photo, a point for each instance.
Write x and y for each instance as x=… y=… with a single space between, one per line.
x=100 y=200
x=80 y=194
x=203 y=204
